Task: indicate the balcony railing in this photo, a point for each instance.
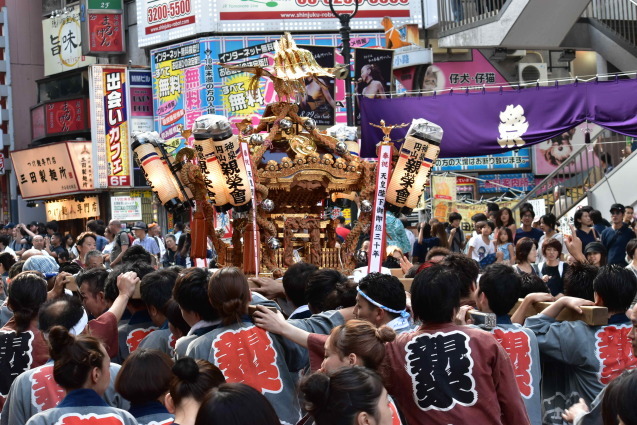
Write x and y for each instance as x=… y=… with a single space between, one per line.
x=619 y=16
x=579 y=173
x=458 y=14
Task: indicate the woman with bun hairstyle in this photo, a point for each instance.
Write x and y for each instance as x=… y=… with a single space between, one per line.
x=24 y=345
x=356 y=343
x=234 y=345
x=236 y=404
x=143 y=380
x=192 y=380
x=82 y=368
x=348 y=396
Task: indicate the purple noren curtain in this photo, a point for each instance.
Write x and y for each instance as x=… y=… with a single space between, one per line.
x=487 y=123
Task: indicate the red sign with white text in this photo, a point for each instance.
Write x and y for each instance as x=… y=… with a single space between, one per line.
x=66 y=116
x=106 y=33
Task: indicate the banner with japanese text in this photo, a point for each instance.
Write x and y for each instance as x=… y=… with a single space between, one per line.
x=69 y=209
x=62 y=43
x=110 y=128
x=126 y=208
x=497 y=183
x=53 y=169
x=188 y=80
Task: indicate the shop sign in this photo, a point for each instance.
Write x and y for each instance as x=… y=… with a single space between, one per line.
x=523 y=182
x=50 y=170
x=69 y=209
x=105 y=34
x=83 y=164
x=109 y=110
x=512 y=160
x=65 y=116
x=141 y=100
x=188 y=80
x=163 y=21
x=62 y=40
x=126 y=208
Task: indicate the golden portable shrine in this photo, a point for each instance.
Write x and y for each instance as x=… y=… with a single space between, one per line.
x=289 y=167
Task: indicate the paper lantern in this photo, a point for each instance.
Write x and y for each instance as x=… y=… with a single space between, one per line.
x=418 y=155
x=209 y=164
x=217 y=129
x=157 y=172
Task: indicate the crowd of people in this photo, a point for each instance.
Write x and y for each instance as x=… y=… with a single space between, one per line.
x=108 y=328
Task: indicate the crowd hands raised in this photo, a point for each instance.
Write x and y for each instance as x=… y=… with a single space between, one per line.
x=149 y=340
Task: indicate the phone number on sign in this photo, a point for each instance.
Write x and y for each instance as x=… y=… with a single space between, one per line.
x=163 y=12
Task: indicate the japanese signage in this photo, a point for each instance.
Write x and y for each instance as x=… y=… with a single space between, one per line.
x=63 y=43
x=373 y=74
x=82 y=163
x=110 y=133
x=417 y=156
x=126 y=208
x=523 y=182
x=53 y=169
x=66 y=116
x=377 y=229
x=162 y=21
x=141 y=100
x=512 y=160
x=233 y=166
x=1 y=164
x=105 y=34
x=189 y=82
x=69 y=209
x=38 y=122
x=446 y=75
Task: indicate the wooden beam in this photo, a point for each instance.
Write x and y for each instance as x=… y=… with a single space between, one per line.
x=591 y=315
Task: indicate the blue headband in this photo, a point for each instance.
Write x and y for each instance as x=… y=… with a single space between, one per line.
x=403 y=313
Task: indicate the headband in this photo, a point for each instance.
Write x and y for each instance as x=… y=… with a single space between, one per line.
x=403 y=313
x=79 y=326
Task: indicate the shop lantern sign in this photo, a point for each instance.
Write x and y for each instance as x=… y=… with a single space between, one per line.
x=52 y=169
x=103 y=28
x=62 y=40
x=69 y=209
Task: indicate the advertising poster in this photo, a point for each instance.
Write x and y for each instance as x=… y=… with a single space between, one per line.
x=318 y=102
x=444 y=196
x=62 y=42
x=126 y=208
x=163 y=21
x=188 y=80
x=523 y=182
x=140 y=97
x=549 y=155
x=372 y=75
x=446 y=75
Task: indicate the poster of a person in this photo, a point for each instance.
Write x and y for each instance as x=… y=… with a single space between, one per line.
x=318 y=100
x=373 y=71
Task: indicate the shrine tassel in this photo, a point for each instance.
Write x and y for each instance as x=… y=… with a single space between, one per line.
x=245 y=155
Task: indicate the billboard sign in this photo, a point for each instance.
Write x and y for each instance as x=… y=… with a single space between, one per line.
x=163 y=21
x=189 y=82
x=52 y=169
x=110 y=131
x=62 y=39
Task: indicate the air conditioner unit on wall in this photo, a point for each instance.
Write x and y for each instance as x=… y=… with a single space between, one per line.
x=532 y=72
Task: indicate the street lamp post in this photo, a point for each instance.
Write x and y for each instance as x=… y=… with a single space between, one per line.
x=345 y=29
